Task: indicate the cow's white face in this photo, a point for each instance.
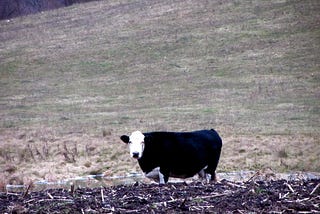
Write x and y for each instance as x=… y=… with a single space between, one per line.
x=136 y=144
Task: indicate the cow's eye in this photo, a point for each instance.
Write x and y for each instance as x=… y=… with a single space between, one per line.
x=129 y=142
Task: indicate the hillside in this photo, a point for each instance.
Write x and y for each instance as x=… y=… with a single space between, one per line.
x=74 y=79
x=13 y=8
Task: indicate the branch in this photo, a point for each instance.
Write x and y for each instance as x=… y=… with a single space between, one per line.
x=315 y=189
x=289 y=186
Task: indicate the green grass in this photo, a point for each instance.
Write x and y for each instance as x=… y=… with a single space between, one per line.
x=245 y=68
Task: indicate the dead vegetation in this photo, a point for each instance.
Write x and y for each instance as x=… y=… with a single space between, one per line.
x=280 y=196
x=54 y=158
x=31 y=158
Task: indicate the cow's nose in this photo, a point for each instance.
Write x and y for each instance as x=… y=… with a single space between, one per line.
x=135 y=154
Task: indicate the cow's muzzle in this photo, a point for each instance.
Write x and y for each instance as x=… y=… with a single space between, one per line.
x=135 y=155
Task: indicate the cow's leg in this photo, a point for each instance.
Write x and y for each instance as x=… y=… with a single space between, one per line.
x=202 y=174
x=163 y=176
x=213 y=163
x=206 y=177
x=211 y=175
x=154 y=174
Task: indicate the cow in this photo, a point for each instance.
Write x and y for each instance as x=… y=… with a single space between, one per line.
x=176 y=154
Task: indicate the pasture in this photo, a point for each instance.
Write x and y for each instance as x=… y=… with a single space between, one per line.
x=73 y=80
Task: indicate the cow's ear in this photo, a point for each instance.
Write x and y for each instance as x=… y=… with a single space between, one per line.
x=125 y=138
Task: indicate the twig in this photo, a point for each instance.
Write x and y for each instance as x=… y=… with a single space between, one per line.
x=39 y=153
x=69 y=156
x=315 y=189
x=211 y=196
x=31 y=153
x=72 y=189
x=27 y=190
x=305 y=212
x=193 y=208
x=183 y=202
x=300 y=200
x=12 y=193
x=255 y=174
x=235 y=185
x=240 y=211
x=50 y=196
x=45 y=149
x=29 y=201
x=283 y=196
x=102 y=196
x=165 y=202
x=75 y=149
x=289 y=186
x=199 y=208
x=61 y=199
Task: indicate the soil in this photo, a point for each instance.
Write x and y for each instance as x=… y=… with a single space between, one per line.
x=280 y=196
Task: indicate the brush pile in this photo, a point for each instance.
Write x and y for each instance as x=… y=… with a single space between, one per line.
x=280 y=196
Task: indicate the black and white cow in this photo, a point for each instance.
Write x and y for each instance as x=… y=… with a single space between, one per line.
x=176 y=154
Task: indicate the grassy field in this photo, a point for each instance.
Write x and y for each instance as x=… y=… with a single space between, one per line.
x=73 y=80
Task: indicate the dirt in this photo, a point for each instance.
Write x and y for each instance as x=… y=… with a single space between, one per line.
x=279 y=196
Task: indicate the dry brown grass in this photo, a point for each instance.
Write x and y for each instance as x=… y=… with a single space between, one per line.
x=74 y=79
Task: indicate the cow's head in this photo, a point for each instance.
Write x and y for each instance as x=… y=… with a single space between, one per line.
x=135 y=142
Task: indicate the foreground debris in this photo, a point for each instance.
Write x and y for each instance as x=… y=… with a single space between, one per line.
x=279 y=196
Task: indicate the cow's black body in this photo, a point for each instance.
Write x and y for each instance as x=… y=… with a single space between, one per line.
x=181 y=154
